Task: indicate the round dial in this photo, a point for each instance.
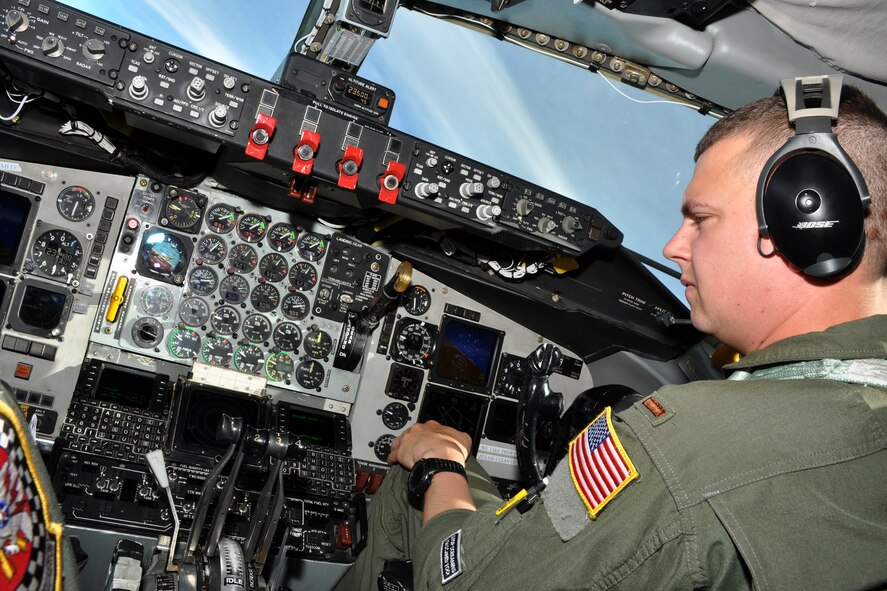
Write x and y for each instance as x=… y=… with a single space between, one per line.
x=203 y=280
x=212 y=249
x=382 y=447
x=318 y=344
x=183 y=211
x=295 y=306
x=225 y=320
x=184 y=343
x=243 y=258
x=511 y=377
x=194 y=311
x=75 y=204
x=156 y=300
x=265 y=297
x=417 y=300
x=147 y=332
x=273 y=267
x=303 y=276
x=282 y=237
x=57 y=253
x=163 y=254
x=248 y=359
x=221 y=218
x=312 y=247
x=310 y=374
x=279 y=367
x=395 y=415
x=287 y=336
x=414 y=343
x=252 y=227
x=217 y=351
x=256 y=328
x=234 y=289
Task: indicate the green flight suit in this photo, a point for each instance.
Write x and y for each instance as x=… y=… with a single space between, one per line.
x=761 y=483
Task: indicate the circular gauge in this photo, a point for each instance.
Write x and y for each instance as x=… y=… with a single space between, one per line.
x=184 y=343
x=417 y=300
x=511 y=377
x=57 y=253
x=75 y=204
x=382 y=447
x=414 y=343
x=243 y=258
x=147 y=332
x=203 y=280
x=395 y=415
x=318 y=344
x=310 y=374
x=225 y=320
x=295 y=306
x=248 y=359
x=252 y=227
x=279 y=367
x=156 y=300
x=217 y=351
x=312 y=247
x=287 y=336
x=183 y=211
x=303 y=276
x=162 y=254
x=194 y=311
x=212 y=249
x=265 y=297
x=282 y=237
x=234 y=289
x=220 y=218
x=256 y=328
x=273 y=267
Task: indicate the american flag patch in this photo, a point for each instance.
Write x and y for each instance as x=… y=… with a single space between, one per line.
x=598 y=464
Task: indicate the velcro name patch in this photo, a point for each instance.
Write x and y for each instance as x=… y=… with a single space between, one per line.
x=599 y=465
x=450 y=557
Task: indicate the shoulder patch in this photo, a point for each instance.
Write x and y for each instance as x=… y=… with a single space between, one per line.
x=599 y=465
x=30 y=542
x=451 y=557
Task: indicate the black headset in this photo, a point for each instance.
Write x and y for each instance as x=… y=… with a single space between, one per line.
x=811 y=197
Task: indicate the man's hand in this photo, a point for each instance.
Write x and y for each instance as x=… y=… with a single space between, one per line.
x=429 y=440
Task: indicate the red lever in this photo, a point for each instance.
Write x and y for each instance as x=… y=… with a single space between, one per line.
x=349 y=166
x=304 y=152
x=390 y=181
x=260 y=136
x=375 y=482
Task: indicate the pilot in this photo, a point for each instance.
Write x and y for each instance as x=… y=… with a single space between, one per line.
x=772 y=479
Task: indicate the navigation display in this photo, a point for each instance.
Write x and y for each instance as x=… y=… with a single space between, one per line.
x=14 y=210
x=466 y=355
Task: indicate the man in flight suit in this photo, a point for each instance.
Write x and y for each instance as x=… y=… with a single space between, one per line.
x=774 y=480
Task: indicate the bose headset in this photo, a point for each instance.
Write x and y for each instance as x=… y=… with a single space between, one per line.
x=811 y=197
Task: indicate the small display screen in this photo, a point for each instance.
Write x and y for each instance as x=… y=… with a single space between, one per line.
x=204 y=408
x=359 y=94
x=313 y=429
x=502 y=421
x=42 y=308
x=14 y=210
x=466 y=354
x=125 y=387
x=455 y=409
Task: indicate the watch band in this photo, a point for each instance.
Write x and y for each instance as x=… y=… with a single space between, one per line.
x=424 y=470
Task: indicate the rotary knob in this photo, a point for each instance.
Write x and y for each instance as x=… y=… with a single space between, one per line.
x=17 y=21
x=219 y=115
x=138 y=88
x=570 y=224
x=52 y=46
x=524 y=207
x=424 y=190
x=94 y=49
x=546 y=225
x=469 y=190
x=485 y=212
x=197 y=89
x=228 y=82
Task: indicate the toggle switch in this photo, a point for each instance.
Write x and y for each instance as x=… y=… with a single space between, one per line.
x=390 y=181
x=305 y=151
x=349 y=167
x=260 y=136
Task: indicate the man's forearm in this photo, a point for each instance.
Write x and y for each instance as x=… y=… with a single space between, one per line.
x=448 y=491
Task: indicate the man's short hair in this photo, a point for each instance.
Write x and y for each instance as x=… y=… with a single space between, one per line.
x=862 y=131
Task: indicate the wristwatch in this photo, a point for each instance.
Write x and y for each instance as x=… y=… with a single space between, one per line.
x=422 y=473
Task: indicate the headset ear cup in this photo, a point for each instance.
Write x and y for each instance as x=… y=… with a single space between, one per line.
x=813 y=212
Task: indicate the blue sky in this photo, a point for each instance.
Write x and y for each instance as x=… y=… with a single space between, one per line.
x=551 y=123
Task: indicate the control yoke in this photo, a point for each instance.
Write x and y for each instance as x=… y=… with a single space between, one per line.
x=537 y=401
